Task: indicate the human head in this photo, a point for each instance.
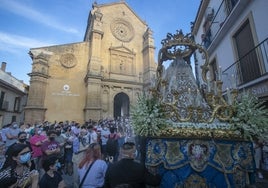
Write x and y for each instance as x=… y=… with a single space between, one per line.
x=128 y=150
x=58 y=130
x=90 y=128
x=15 y=125
x=22 y=136
x=93 y=153
x=37 y=130
x=112 y=129
x=17 y=154
x=50 y=163
x=52 y=135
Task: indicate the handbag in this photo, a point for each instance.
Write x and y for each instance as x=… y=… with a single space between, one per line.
x=81 y=183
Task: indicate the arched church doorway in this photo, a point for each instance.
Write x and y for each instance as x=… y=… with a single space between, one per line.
x=121 y=105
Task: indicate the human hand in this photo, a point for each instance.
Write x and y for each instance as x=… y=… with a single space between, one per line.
x=14 y=185
x=34 y=174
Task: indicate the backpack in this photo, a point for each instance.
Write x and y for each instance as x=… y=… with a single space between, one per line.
x=112 y=145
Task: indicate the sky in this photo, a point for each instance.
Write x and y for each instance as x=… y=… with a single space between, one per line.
x=26 y=24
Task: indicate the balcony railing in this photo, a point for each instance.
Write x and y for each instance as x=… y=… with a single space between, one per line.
x=214 y=22
x=249 y=67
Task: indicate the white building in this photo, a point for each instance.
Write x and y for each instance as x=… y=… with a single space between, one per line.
x=13 y=96
x=235 y=34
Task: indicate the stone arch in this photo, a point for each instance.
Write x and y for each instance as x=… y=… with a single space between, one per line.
x=121 y=105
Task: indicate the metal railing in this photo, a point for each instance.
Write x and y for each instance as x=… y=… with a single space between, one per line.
x=249 y=67
x=216 y=21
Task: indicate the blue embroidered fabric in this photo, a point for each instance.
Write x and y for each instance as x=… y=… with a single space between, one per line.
x=207 y=163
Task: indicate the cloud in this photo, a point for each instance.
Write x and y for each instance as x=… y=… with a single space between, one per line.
x=12 y=43
x=37 y=16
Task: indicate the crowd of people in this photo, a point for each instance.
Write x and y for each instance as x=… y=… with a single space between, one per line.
x=95 y=154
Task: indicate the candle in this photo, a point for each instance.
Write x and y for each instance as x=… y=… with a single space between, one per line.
x=229 y=97
x=220 y=73
x=233 y=81
x=209 y=89
x=190 y=98
x=208 y=77
x=215 y=88
x=198 y=98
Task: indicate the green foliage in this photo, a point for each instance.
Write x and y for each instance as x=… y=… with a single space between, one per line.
x=148 y=118
x=251 y=117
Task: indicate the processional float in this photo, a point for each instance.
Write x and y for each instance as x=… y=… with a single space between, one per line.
x=198 y=148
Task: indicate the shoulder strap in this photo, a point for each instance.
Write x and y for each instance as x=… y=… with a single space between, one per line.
x=80 y=185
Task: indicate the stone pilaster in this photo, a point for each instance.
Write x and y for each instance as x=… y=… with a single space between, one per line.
x=35 y=109
x=93 y=79
x=149 y=65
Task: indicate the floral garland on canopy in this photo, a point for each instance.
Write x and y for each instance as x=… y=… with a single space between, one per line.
x=250 y=118
x=249 y=121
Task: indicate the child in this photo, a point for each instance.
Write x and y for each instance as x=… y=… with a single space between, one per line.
x=51 y=178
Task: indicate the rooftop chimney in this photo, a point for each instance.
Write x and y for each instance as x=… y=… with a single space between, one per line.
x=3 y=66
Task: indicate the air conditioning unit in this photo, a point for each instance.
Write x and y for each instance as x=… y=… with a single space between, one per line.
x=5 y=105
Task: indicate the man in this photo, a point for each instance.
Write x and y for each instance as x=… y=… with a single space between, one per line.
x=92 y=134
x=36 y=142
x=104 y=138
x=129 y=173
x=61 y=140
x=12 y=134
x=51 y=147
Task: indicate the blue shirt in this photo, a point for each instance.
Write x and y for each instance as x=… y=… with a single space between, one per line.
x=95 y=176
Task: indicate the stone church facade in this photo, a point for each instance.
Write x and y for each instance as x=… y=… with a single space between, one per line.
x=97 y=78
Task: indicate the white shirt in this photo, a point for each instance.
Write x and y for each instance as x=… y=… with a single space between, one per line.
x=93 y=137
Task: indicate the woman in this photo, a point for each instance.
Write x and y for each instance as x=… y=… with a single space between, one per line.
x=92 y=158
x=16 y=170
x=2 y=154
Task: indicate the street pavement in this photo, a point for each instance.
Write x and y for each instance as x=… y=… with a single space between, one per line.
x=262 y=183
x=68 y=181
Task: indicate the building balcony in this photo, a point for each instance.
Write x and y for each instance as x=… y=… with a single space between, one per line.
x=249 y=70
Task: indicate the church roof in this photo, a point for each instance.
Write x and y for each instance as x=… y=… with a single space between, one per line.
x=118 y=3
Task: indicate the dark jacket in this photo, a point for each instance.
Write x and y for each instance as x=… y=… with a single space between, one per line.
x=127 y=171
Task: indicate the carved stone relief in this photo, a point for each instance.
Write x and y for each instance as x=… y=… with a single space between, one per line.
x=122 y=64
x=68 y=60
